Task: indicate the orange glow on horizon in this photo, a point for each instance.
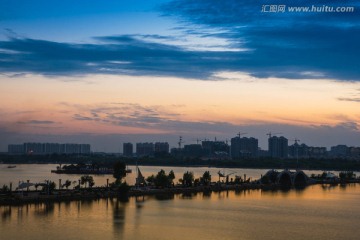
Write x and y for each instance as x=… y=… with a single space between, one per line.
x=237 y=99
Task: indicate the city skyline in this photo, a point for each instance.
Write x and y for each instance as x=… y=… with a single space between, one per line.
x=134 y=71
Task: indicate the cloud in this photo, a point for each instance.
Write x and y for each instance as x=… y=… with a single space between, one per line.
x=282 y=44
x=128 y=114
x=349 y=99
x=349 y=125
x=37 y=122
x=294 y=46
x=115 y=55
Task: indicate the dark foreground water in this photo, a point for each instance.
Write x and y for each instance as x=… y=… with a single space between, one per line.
x=317 y=212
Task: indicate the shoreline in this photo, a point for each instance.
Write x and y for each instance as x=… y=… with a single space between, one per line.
x=195 y=166
x=16 y=198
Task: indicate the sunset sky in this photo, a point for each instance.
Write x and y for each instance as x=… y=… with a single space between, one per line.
x=108 y=72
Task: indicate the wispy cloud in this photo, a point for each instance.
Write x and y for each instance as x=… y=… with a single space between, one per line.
x=356 y=99
x=37 y=122
x=127 y=114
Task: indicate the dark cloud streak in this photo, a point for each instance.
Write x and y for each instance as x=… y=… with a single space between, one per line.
x=37 y=122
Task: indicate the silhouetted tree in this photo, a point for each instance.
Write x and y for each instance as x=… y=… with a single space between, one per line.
x=5 y=189
x=119 y=171
x=151 y=179
x=50 y=187
x=91 y=182
x=67 y=184
x=171 y=176
x=206 y=178
x=161 y=179
x=188 y=178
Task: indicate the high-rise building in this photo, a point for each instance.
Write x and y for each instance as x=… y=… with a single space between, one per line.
x=193 y=150
x=144 y=149
x=16 y=149
x=51 y=148
x=278 y=147
x=317 y=152
x=339 y=151
x=211 y=148
x=354 y=152
x=244 y=147
x=128 y=149
x=162 y=147
x=85 y=149
x=298 y=150
x=33 y=148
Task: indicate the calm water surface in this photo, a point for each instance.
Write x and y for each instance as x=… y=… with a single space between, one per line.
x=317 y=212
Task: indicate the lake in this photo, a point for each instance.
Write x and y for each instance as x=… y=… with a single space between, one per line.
x=317 y=212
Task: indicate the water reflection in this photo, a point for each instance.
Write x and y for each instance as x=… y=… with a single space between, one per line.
x=43 y=209
x=118 y=208
x=188 y=195
x=6 y=213
x=139 y=201
x=283 y=191
x=328 y=187
x=164 y=197
x=207 y=194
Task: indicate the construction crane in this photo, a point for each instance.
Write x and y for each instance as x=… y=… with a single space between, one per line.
x=296 y=151
x=180 y=142
x=270 y=134
x=240 y=133
x=197 y=140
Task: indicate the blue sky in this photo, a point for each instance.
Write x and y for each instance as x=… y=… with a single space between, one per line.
x=180 y=41
x=239 y=38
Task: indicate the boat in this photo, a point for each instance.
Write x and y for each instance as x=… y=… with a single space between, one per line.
x=11 y=166
x=85 y=169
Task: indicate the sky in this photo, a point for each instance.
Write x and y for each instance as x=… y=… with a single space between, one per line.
x=109 y=72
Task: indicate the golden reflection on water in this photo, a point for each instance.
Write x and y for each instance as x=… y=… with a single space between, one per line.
x=316 y=212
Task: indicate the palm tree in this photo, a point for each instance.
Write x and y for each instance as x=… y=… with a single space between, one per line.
x=67 y=184
x=87 y=179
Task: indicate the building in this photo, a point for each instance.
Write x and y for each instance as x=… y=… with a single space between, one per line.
x=340 y=151
x=317 y=152
x=354 y=152
x=213 y=148
x=128 y=149
x=50 y=148
x=162 y=147
x=298 y=150
x=144 y=149
x=244 y=147
x=85 y=148
x=278 y=147
x=16 y=149
x=34 y=148
x=193 y=150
